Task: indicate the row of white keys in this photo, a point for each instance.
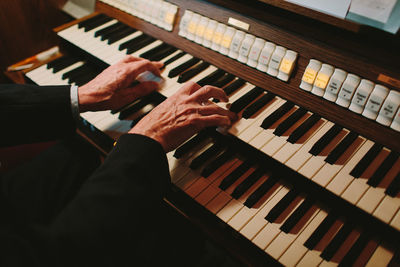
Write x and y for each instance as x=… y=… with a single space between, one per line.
x=46 y=76
x=266 y=135
x=277 y=142
x=242 y=124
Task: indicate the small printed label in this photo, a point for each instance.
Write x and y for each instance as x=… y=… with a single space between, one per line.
x=239 y=24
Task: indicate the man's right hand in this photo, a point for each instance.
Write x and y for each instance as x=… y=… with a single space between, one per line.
x=183 y=114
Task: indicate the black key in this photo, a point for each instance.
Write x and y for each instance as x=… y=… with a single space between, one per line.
x=182 y=67
x=235 y=174
x=138 y=105
x=96 y=23
x=234 y=86
x=260 y=191
x=154 y=50
x=394 y=187
x=58 y=61
x=276 y=115
x=206 y=155
x=303 y=128
x=108 y=29
x=163 y=54
x=90 y=20
x=135 y=47
x=224 y=80
x=173 y=59
x=133 y=41
x=86 y=77
x=246 y=99
x=189 y=74
x=282 y=205
x=383 y=169
x=211 y=77
x=355 y=251
x=257 y=105
x=295 y=217
x=73 y=72
x=335 y=154
x=321 y=230
x=289 y=121
x=217 y=163
x=248 y=182
x=337 y=241
x=78 y=72
x=363 y=164
x=120 y=35
x=325 y=140
x=64 y=64
x=190 y=144
x=115 y=31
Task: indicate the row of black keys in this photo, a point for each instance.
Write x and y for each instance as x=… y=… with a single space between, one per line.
x=221 y=152
x=230 y=84
x=194 y=66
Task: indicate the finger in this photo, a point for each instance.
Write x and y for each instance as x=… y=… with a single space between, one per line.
x=207 y=92
x=189 y=88
x=202 y=122
x=214 y=109
x=158 y=64
x=140 y=66
x=143 y=88
x=130 y=58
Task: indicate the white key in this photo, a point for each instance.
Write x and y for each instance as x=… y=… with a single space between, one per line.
x=343 y=178
x=297 y=250
x=258 y=222
x=255 y=128
x=387 y=208
x=302 y=155
x=370 y=200
x=381 y=257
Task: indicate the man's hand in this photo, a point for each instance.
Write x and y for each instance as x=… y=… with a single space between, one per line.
x=115 y=87
x=183 y=114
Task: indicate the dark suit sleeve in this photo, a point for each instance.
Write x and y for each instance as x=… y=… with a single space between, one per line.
x=116 y=213
x=30 y=113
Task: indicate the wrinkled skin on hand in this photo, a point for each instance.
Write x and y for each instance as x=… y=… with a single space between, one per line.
x=115 y=87
x=183 y=114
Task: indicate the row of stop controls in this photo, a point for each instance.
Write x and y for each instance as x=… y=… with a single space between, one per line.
x=374 y=101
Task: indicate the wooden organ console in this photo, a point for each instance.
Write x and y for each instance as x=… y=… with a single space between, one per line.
x=310 y=174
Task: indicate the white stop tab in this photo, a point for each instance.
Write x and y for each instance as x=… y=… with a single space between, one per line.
x=389 y=108
x=287 y=65
x=322 y=79
x=275 y=61
x=309 y=74
x=255 y=52
x=265 y=56
x=375 y=101
x=361 y=95
x=348 y=88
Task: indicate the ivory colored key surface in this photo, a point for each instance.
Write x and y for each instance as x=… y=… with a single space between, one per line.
x=211 y=191
x=258 y=222
x=387 y=208
x=278 y=141
x=302 y=155
x=359 y=186
x=396 y=221
x=297 y=250
x=289 y=149
x=314 y=164
x=328 y=171
x=255 y=128
x=371 y=199
x=340 y=182
x=283 y=241
x=202 y=183
x=381 y=257
x=242 y=217
x=266 y=135
x=311 y=258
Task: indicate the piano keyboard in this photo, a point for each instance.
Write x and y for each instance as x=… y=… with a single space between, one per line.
x=281 y=220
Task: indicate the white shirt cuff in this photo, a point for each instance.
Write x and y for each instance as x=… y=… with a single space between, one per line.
x=74 y=102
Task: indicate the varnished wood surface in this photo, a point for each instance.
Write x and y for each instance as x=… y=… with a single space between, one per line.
x=307 y=49
x=26 y=28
